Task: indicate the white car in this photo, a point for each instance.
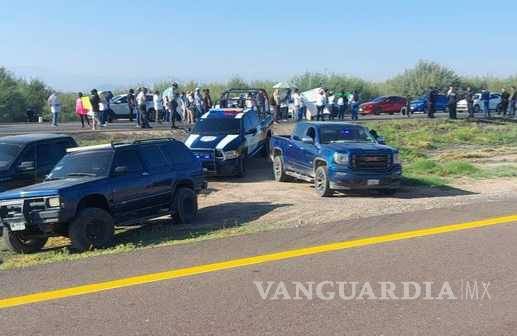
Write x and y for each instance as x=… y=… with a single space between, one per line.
x=120 y=109
x=494 y=103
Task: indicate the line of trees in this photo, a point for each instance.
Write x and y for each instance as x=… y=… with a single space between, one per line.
x=17 y=95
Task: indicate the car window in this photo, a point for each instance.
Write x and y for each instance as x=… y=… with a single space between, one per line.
x=254 y=120
x=9 y=153
x=311 y=133
x=299 y=132
x=29 y=154
x=122 y=100
x=50 y=153
x=153 y=157
x=494 y=96
x=177 y=153
x=129 y=159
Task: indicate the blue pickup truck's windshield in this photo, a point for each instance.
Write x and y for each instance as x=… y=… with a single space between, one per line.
x=8 y=154
x=344 y=134
x=210 y=126
x=87 y=164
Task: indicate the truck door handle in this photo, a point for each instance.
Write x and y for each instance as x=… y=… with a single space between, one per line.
x=145 y=174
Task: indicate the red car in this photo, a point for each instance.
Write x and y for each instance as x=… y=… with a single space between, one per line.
x=384 y=104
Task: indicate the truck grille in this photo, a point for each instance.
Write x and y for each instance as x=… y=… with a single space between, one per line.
x=371 y=161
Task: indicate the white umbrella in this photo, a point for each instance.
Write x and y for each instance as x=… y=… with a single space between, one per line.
x=282 y=85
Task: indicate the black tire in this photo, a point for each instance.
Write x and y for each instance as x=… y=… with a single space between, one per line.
x=279 y=170
x=377 y=111
x=16 y=242
x=184 y=206
x=241 y=169
x=477 y=109
x=93 y=227
x=321 y=182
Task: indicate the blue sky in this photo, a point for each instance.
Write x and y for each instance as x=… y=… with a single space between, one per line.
x=82 y=44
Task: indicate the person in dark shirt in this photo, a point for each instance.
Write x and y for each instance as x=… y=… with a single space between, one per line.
x=431 y=102
x=207 y=100
x=95 y=100
x=505 y=101
x=485 y=99
x=513 y=102
x=452 y=100
x=131 y=103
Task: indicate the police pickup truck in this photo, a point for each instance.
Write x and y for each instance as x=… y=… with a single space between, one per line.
x=93 y=189
x=336 y=156
x=224 y=138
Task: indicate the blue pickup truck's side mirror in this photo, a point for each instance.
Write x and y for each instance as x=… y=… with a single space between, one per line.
x=381 y=140
x=26 y=166
x=120 y=171
x=308 y=140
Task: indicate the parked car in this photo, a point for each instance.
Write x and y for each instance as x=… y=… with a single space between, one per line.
x=419 y=105
x=383 y=104
x=494 y=103
x=223 y=139
x=120 y=109
x=336 y=156
x=27 y=159
x=93 y=189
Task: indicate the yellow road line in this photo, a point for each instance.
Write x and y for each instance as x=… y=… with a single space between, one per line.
x=260 y=259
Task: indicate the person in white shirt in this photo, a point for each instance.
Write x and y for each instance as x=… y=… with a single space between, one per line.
x=331 y=104
x=321 y=100
x=158 y=107
x=55 y=107
x=298 y=104
x=142 y=107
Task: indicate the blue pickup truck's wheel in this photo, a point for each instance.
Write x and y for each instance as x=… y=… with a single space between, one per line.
x=18 y=243
x=321 y=182
x=93 y=227
x=279 y=170
x=185 y=206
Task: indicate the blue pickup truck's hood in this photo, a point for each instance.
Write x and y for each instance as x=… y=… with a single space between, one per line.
x=47 y=188
x=357 y=147
x=220 y=141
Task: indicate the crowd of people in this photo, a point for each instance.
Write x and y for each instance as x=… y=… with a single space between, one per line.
x=174 y=105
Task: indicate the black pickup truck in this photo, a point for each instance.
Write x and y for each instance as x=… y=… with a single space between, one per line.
x=93 y=189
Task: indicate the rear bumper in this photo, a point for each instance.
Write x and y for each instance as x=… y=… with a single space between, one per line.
x=349 y=180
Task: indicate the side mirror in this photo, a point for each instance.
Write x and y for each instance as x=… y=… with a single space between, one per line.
x=27 y=166
x=308 y=140
x=381 y=140
x=120 y=171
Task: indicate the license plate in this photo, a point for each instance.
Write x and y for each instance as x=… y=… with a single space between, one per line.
x=373 y=182
x=17 y=226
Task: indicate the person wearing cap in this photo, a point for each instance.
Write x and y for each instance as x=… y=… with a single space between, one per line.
x=298 y=104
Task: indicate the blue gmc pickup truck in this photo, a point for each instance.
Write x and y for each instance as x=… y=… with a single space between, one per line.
x=93 y=189
x=336 y=156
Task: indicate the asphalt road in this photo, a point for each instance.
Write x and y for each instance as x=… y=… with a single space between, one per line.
x=125 y=125
x=227 y=302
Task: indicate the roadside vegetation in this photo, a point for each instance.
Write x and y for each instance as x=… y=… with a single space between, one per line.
x=436 y=152
x=18 y=94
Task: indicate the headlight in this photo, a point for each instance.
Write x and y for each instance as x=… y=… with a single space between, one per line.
x=396 y=158
x=230 y=155
x=341 y=159
x=53 y=202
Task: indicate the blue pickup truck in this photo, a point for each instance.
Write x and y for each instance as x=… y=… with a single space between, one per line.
x=224 y=138
x=336 y=156
x=93 y=189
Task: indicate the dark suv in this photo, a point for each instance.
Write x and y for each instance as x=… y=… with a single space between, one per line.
x=27 y=159
x=93 y=189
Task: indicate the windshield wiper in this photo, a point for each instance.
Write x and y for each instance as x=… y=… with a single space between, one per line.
x=80 y=175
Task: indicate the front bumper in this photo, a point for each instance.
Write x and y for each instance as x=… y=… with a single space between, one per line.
x=350 y=180
x=24 y=219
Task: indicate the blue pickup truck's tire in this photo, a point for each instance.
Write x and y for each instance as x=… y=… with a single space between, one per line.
x=321 y=182
x=279 y=170
x=16 y=242
x=93 y=227
x=184 y=206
